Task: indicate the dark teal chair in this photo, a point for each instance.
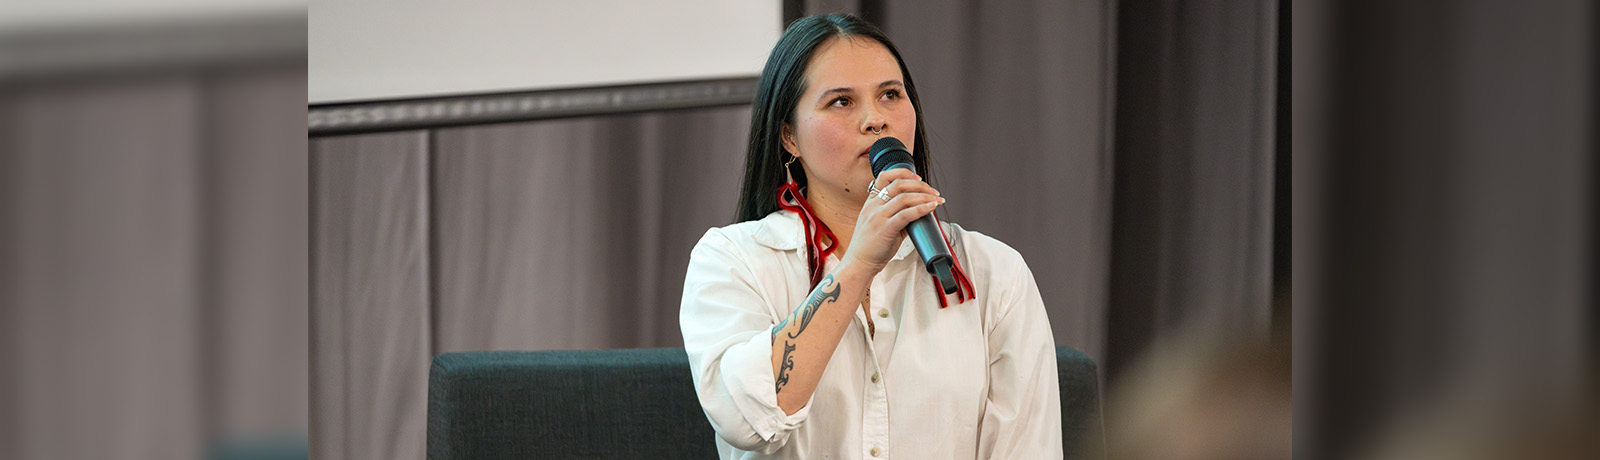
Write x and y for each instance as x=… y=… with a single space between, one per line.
x=629 y=404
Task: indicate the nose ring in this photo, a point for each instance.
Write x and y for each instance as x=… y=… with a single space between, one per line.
x=876 y=131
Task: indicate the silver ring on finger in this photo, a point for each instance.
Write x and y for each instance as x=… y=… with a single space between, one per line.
x=881 y=193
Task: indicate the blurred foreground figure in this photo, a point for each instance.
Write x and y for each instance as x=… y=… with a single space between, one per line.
x=1200 y=397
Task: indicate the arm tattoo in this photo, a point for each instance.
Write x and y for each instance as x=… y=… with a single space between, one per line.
x=809 y=309
x=781 y=325
x=814 y=303
x=805 y=313
x=788 y=363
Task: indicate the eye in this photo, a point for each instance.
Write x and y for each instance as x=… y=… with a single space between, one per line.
x=893 y=94
x=840 y=101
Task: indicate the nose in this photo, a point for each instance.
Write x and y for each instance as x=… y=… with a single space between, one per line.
x=874 y=123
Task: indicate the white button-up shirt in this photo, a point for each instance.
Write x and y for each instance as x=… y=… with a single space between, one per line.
x=975 y=380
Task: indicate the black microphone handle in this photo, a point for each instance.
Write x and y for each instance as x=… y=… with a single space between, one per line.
x=925 y=235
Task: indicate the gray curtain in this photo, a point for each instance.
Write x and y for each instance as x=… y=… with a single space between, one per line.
x=1451 y=226
x=152 y=263
x=539 y=248
x=1195 y=143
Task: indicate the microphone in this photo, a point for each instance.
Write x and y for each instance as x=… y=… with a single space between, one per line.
x=889 y=153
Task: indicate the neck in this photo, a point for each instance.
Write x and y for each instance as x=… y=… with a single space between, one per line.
x=839 y=211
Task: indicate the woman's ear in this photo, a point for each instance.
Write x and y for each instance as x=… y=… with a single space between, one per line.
x=788 y=140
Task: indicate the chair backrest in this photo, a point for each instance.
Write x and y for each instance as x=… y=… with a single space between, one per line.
x=637 y=403
x=1082 y=426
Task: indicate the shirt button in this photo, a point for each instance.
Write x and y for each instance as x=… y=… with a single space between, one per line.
x=883 y=313
x=874 y=380
x=876 y=452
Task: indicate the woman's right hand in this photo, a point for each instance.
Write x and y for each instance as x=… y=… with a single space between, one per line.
x=880 y=228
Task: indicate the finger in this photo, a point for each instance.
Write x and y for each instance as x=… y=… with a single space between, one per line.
x=905 y=216
x=907 y=201
x=900 y=186
x=887 y=177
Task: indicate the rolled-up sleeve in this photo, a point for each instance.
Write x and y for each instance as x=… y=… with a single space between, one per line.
x=727 y=331
x=1022 y=418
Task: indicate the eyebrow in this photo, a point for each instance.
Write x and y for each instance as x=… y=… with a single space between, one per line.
x=848 y=90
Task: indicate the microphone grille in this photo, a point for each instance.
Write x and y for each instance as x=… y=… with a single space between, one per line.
x=888 y=152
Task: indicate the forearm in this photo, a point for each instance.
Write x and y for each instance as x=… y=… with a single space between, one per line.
x=803 y=342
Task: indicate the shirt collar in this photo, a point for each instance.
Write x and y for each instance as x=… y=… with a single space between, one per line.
x=782 y=230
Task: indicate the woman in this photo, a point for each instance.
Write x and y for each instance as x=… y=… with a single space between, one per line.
x=812 y=329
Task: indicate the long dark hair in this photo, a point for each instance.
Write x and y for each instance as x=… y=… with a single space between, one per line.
x=777 y=95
